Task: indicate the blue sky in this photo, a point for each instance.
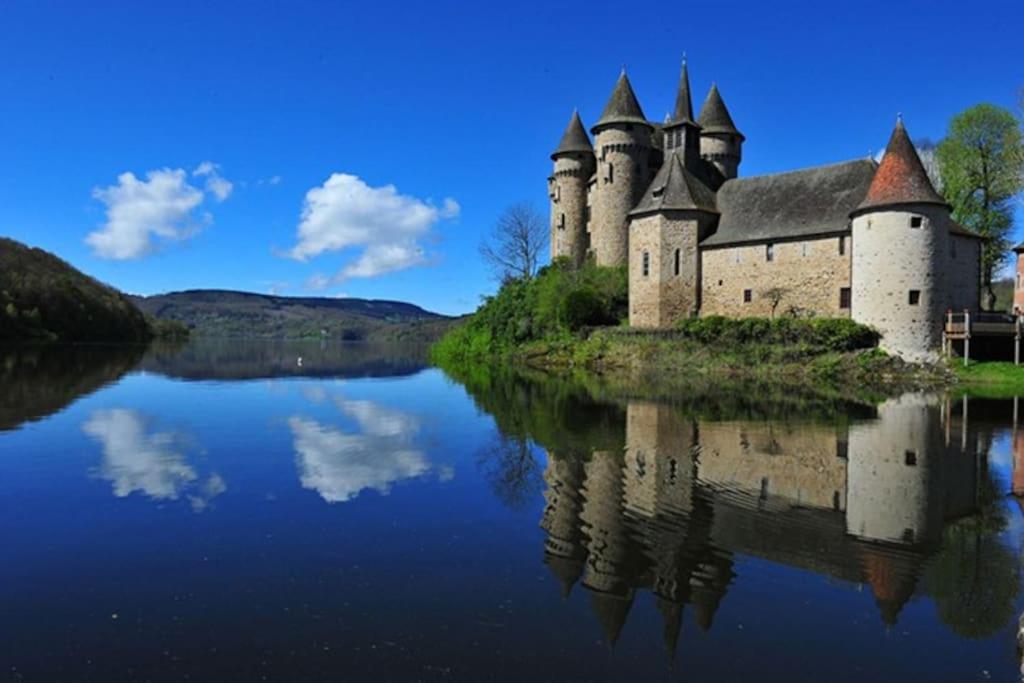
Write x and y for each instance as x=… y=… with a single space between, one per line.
x=262 y=138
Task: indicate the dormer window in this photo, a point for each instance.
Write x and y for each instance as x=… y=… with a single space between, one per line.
x=658 y=191
x=916 y=221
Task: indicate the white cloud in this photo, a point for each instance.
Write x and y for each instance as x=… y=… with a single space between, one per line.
x=340 y=465
x=151 y=463
x=317 y=282
x=217 y=185
x=346 y=213
x=161 y=208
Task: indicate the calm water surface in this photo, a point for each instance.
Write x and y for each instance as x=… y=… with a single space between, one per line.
x=227 y=511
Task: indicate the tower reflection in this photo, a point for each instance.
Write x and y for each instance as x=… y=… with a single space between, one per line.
x=864 y=502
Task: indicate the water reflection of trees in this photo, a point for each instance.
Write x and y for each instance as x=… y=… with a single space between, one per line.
x=38 y=381
x=663 y=495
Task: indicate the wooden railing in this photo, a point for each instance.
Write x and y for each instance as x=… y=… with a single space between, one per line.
x=966 y=324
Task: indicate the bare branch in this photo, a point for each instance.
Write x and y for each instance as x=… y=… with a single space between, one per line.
x=514 y=246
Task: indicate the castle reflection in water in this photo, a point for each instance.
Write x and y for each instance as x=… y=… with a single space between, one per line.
x=864 y=502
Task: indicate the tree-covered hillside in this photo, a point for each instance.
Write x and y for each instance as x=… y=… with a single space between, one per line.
x=44 y=298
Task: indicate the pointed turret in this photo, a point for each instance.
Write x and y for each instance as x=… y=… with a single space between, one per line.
x=684 y=105
x=675 y=189
x=611 y=611
x=721 y=143
x=682 y=134
x=714 y=115
x=622 y=107
x=574 y=139
x=901 y=177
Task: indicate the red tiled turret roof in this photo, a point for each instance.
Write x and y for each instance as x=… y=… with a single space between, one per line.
x=900 y=178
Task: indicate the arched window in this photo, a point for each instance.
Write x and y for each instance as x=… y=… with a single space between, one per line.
x=647 y=264
x=677 y=262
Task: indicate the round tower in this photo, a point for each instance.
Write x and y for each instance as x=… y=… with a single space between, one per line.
x=567 y=188
x=721 y=143
x=900 y=241
x=623 y=145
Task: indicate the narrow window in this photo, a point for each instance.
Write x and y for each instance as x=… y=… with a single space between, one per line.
x=677 y=262
x=737 y=256
x=748 y=295
x=844 y=297
x=647 y=264
x=842 y=449
x=835 y=501
x=561 y=222
x=769 y=252
x=586 y=213
x=910 y=457
x=915 y=297
x=915 y=221
x=842 y=245
x=611 y=173
x=804 y=248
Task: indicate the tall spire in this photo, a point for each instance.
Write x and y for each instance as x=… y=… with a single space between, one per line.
x=684 y=106
x=901 y=177
x=574 y=139
x=622 y=106
x=714 y=116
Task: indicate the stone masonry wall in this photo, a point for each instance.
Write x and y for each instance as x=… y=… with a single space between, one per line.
x=808 y=273
x=623 y=174
x=568 y=193
x=892 y=259
x=662 y=297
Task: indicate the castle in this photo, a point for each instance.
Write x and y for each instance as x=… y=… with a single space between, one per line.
x=874 y=242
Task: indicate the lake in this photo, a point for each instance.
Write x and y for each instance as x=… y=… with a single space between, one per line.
x=282 y=511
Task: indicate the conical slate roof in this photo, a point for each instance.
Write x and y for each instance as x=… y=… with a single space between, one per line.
x=676 y=189
x=714 y=116
x=611 y=611
x=900 y=178
x=622 y=107
x=574 y=139
x=683 y=112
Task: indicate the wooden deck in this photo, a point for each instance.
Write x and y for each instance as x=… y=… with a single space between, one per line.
x=966 y=325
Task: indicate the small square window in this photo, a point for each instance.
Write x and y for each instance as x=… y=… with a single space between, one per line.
x=748 y=296
x=916 y=221
x=910 y=457
x=843 y=449
x=915 y=297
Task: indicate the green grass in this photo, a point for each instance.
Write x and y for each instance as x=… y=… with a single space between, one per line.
x=993 y=379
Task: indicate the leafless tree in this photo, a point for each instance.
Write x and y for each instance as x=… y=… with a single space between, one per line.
x=775 y=295
x=513 y=247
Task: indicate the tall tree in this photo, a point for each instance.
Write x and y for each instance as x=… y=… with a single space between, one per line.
x=514 y=247
x=982 y=165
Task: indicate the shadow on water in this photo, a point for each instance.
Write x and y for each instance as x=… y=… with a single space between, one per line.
x=664 y=496
x=40 y=380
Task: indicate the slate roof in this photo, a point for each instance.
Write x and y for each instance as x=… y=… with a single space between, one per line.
x=574 y=139
x=622 y=106
x=675 y=189
x=1019 y=248
x=714 y=116
x=683 y=112
x=901 y=178
x=812 y=201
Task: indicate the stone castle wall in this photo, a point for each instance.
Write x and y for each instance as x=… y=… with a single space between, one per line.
x=724 y=151
x=892 y=259
x=810 y=274
x=802 y=463
x=623 y=173
x=963 y=273
x=568 y=194
x=663 y=297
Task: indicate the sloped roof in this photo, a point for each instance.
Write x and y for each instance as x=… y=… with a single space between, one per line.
x=622 y=106
x=683 y=112
x=574 y=139
x=714 y=116
x=812 y=201
x=675 y=189
x=901 y=178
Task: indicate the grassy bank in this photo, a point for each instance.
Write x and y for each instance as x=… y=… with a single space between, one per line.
x=993 y=379
x=568 y=319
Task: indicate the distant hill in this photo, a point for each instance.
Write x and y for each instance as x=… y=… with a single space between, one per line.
x=224 y=313
x=45 y=298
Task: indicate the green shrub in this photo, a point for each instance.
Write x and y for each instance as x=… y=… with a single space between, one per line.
x=828 y=334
